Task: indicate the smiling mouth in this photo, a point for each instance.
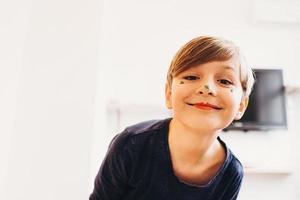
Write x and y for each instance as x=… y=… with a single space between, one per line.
x=204 y=106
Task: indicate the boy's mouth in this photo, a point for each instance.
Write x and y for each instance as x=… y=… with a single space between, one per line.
x=205 y=106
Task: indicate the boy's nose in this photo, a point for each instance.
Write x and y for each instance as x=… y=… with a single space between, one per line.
x=207 y=89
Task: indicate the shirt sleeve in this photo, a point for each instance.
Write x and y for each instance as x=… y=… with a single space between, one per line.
x=111 y=180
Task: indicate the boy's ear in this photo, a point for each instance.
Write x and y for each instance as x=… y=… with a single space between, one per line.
x=242 y=108
x=168 y=96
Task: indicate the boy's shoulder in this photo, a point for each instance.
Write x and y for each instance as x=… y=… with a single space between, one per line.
x=138 y=134
x=145 y=126
x=234 y=166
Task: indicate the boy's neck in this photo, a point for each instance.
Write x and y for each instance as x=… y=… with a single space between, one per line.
x=193 y=145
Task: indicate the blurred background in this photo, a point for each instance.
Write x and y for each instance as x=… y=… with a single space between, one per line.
x=75 y=73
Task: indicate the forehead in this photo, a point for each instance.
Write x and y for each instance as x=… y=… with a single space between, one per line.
x=216 y=66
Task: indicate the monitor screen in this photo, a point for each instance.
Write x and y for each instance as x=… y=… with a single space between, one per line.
x=266 y=108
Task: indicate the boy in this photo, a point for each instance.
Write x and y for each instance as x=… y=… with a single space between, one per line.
x=183 y=157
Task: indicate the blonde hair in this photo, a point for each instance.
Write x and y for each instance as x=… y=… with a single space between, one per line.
x=206 y=49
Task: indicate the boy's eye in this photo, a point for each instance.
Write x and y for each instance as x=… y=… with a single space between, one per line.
x=190 y=78
x=225 y=82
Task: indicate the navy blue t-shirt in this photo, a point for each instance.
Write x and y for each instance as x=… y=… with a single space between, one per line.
x=138 y=167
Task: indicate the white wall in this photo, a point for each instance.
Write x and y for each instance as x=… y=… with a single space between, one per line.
x=48 y=67
x=139 y=39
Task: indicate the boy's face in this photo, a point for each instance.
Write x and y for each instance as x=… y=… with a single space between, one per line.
x=208 y=96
